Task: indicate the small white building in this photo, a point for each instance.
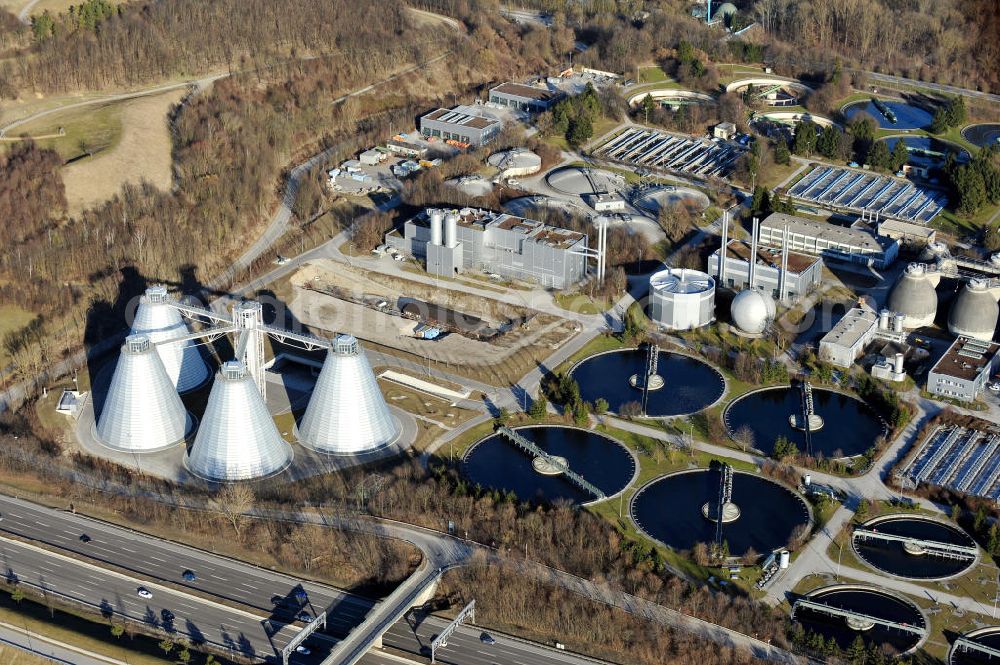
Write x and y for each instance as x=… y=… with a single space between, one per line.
x=725 y=131
x=607 y=202
x=848 y=338
x=372 y=157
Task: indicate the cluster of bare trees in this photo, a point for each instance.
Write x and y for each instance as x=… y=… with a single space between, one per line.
x=947 y=40
x=147 y=42
x=515 y=603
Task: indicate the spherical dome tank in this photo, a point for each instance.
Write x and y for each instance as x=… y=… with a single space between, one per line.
x=752 y=310
x=975 y=311
x=914 y=296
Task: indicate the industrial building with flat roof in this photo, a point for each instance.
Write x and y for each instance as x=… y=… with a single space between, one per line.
x=465 y=124
x=829 y=240
x=528 y=98
x=848 y=338
x=964 y=370
x=803 y=275
x=472 y=239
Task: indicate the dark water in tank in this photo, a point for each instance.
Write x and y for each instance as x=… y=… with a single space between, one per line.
x=908 y=116
x=870 y=603
x=926 y=151
x=497 y=463
x=690 y=384
x=669 y=510
x=850 y=425
x=991 y=640
x=892 y=558
x=983 y=135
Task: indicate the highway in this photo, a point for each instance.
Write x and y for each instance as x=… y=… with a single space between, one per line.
x=165 y=562
x=465 y=647
x=201 y=621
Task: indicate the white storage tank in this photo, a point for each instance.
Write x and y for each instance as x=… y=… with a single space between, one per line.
x=682 y=299
x=436 y=219
x=451 y=230
x=783 y=558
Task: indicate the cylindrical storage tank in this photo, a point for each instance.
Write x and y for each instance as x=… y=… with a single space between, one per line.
x=975 y=312
x=682 y=299
x=807 y=480
x=752 y=310
x=783 y=558
x=142 y=411
x=883 y=319
x=436 y=218
x=451 y=230
x=914 y=297
x=899 y=322
x=898 y=364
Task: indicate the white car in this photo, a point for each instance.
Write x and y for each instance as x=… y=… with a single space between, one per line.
x=302 y=650
x=995 y=387
x=143 y=592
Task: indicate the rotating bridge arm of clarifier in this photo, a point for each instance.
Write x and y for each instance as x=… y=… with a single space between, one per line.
x=831 y=610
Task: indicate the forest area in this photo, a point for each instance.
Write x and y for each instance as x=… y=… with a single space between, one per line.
x=956 y=42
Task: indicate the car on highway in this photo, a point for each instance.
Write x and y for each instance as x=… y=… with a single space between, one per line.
x=168 y=616
x=486 y=638
x=189 y=576
x=84 y=538
x=302 y=650
x=995 y=387
x=305 y=617
x=143 y=592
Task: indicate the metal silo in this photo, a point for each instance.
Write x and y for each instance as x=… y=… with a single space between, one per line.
x=156 y=319
x=237 y=438
x=451 y=230
x=142 y=411
x=436 y=218
x=975 y=311
x=347 y=414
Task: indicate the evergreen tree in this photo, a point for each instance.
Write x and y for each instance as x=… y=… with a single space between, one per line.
x=899 y=156
x=805 y=138
x=539 y=407
x=829 y=142
x=878 y=156
x=781 y=153
x=648 y=106
x=580 y=131
x=857 y=652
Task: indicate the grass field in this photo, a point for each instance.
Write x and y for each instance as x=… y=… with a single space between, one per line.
x=11 y=318
x=72 y=133
x=142 y=153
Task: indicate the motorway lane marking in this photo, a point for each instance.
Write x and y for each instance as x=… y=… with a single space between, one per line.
x=137 y=581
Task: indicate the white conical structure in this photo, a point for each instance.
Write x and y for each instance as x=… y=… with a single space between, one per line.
x=347 y=414
x=142 y=411
x=237 y=438
x=155 y=318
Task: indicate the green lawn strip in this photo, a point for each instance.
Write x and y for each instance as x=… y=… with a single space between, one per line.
x=579 y=303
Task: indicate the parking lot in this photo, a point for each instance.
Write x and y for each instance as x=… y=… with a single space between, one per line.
x=843 y=188
x=657 y=150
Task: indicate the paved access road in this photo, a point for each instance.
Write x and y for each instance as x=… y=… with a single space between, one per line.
x=165 y=561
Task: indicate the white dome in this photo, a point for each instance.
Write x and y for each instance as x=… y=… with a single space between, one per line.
x=752 y=310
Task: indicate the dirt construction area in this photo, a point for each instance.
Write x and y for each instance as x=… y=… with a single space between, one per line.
x=326 y=295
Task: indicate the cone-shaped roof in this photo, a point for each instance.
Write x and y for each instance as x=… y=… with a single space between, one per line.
x=142 y=411
x=159 y=321
x=237 y=438
x=347 y=414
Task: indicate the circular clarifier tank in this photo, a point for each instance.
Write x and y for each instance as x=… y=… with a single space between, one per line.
x=659 y=198
x=923 y=553
x=964 y=650
x=688 y=384
x=581 y=181
x=851 y=426
x=907 y=116
x=927 y=152
x=867 y=602
x=983 y=135
x=496 y=462
x=763 y=514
